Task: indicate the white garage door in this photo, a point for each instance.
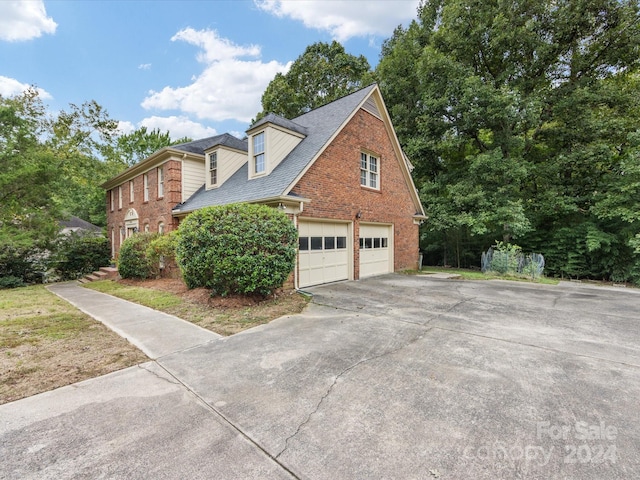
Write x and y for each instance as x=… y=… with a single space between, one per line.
x=323 y=254
x=376 y=250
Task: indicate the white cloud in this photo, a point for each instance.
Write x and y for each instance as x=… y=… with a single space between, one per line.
x=124 y=127
x=229 y=87
x=24 y=20
x=144 y=66
x=10 y=87
x=345 y=20
x=178 y=127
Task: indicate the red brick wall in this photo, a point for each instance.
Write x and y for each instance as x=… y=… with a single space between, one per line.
x=156 y=209
x=333 y=185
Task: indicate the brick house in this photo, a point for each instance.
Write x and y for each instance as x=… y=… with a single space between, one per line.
x=338 y=171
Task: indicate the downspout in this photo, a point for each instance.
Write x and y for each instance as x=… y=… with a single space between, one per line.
x=296 y=286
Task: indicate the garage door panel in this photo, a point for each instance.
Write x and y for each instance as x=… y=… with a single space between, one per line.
x=327 y=258
x=375 y=250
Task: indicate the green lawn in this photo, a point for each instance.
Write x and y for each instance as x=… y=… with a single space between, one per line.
x=478 y=275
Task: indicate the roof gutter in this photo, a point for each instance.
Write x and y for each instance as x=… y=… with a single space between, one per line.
x=286 y=203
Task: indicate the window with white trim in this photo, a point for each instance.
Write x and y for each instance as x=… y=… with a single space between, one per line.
x=130 y=191
x=258 y=153
x=119 y=197
x=160 y=182
x=213 y=168
x=145 y=183
x=369 y=171
x=111 y=199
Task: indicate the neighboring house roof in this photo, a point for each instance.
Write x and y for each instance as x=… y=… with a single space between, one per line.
x=200 y=146
x=75 y=224
x=319 y=125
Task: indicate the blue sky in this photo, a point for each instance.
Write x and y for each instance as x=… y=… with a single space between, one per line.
x=195 y=68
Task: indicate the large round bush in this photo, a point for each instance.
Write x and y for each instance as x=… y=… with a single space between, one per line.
x=133 y=261
x=238 y=248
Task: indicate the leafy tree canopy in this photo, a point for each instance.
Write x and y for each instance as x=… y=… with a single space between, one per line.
x=323 y=73
x=522 y=120
x=53 y=165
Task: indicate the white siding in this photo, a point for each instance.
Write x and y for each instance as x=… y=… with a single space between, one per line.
x=192 y=178
x=229 y=161
x=278 y=144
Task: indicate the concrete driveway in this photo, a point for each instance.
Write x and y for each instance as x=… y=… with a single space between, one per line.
x=391 y=377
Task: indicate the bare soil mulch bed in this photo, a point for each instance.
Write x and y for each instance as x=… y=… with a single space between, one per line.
x=224 y=315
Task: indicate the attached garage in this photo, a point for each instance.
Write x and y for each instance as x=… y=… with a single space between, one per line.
x=376 y=249
x=324 y=252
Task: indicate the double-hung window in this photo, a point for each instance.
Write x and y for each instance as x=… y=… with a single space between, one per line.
x=145 y=187
x=119 y=197
x=130 y=191
x=369 y=171
x=160 y=182
x=258 y=153
x=213 y=168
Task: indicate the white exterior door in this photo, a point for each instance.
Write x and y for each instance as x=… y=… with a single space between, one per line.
x=376 y=249
x=323 y=254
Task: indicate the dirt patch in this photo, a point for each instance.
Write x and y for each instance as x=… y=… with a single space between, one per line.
x=224 y=315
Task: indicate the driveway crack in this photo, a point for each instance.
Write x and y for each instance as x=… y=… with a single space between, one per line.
x=335 y=381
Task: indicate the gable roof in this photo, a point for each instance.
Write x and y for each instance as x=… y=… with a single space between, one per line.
x=200 y=146
x=320 y=126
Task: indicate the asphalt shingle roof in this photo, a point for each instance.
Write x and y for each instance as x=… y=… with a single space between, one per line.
x=319 y=125
x=200 y=146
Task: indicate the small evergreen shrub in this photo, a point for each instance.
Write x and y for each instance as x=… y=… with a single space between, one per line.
x=133 y=261
x=77 y=254
x=238 y=248
x=11 y=282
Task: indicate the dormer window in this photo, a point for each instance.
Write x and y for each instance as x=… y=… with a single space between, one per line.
x=213 y=168
x=259 y=165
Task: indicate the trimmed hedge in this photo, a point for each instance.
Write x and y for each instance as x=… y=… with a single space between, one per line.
x=237 y=248
x=133 y=261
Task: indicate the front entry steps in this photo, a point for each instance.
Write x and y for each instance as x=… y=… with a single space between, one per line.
x=104 y=273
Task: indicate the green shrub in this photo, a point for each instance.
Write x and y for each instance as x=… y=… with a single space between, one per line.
x=162 y=252
x=163 y=247
x=25 y=263
x=77 y=254
x=506 y=257
x=238 y=248
x=133 y=261
x=11 y=282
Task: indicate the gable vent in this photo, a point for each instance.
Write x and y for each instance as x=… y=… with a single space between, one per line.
x=371 y=107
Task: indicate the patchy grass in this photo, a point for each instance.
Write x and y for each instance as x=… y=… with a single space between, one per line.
x=46 y=343
x=478 y=275
x=222 y=315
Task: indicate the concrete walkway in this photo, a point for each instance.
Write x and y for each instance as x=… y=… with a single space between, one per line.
x=155 y=333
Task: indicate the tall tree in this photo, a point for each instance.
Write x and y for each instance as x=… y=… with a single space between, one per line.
x=323 y=73
x=28 y=212
x=520 y=117
x=134 y=147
